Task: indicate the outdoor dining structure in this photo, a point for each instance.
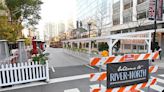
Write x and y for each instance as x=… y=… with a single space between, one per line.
x=128 y=66
x=134 y=42
x=17 y=67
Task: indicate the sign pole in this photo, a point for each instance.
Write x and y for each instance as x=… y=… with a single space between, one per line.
x=154 y=34
x=100 y=72
x=155 y=25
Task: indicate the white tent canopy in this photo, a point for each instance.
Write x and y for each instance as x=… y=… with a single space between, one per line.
x=112 y=39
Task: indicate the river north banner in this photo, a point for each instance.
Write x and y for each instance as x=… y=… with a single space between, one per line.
x=127 y=73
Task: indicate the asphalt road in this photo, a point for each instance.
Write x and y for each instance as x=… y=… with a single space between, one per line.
x=59 y=59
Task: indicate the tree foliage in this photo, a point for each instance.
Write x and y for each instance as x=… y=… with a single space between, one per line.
x=103 y=46
x=28 y=10
x=18 y=11
x=8 y=31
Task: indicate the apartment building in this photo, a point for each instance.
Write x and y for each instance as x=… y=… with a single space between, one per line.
x=132 y=16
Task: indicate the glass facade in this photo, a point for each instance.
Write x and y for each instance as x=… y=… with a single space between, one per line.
x=95 y=10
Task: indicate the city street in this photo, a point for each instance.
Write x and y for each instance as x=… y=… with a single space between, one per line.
x=72 y=78
x=62 y=64
x=81 y=46
x=59 y=59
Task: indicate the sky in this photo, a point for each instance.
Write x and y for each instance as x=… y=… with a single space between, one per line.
x=54 y=11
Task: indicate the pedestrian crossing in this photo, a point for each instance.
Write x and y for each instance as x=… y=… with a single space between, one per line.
x=158 y=87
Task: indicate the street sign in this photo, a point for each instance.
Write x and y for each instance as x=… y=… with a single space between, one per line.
x=127 y=73
x=129 y=57
x=152 y=10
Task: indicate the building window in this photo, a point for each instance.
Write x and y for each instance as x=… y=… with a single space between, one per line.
x=127 y=19
x=116 y=32
x=128 y=5
x=141 y=15
x=140 y=1
x=125 y=30
x=116 y=21
x=134 y=47
x=141 y=47
x=127 y=46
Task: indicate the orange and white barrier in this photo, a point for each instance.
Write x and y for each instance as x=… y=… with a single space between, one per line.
x=103 y=75
x=155 y=55
x=153 y=69
x=98 y=76
x=126 y=88
x=116 y=59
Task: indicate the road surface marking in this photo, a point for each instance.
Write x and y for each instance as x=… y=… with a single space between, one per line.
x=159 y=80
x=89 y=66
x=157 y=88
x=161 y=75
x=63 y=79
x=72 y=90
x=53 y=70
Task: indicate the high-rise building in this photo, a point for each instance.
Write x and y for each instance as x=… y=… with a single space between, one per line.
x=94 y=12
x=53 y=30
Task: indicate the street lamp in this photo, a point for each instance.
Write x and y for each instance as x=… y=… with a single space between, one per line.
x=89 y=28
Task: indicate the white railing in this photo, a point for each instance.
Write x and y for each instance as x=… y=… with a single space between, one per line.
x=11 y=74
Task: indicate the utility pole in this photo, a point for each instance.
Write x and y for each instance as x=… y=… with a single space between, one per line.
x=155 y=25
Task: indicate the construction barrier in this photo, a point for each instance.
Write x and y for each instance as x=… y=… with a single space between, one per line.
x=120 y=59
x=103 y=75
x=127 y=88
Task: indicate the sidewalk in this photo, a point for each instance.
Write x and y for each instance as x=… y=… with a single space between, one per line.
x=160 y=63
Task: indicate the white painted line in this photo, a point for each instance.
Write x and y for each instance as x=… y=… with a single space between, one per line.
x=53 y=70
x=72 y=90
x=89 y=66
x=161 y=75
x=23 y=86
x=157 y=88
x=159 y=80
x=56 y=80
x=63 y=79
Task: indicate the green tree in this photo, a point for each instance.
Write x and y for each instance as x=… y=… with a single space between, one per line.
x=10 y=32
x=28 y=10
x=18 y=11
